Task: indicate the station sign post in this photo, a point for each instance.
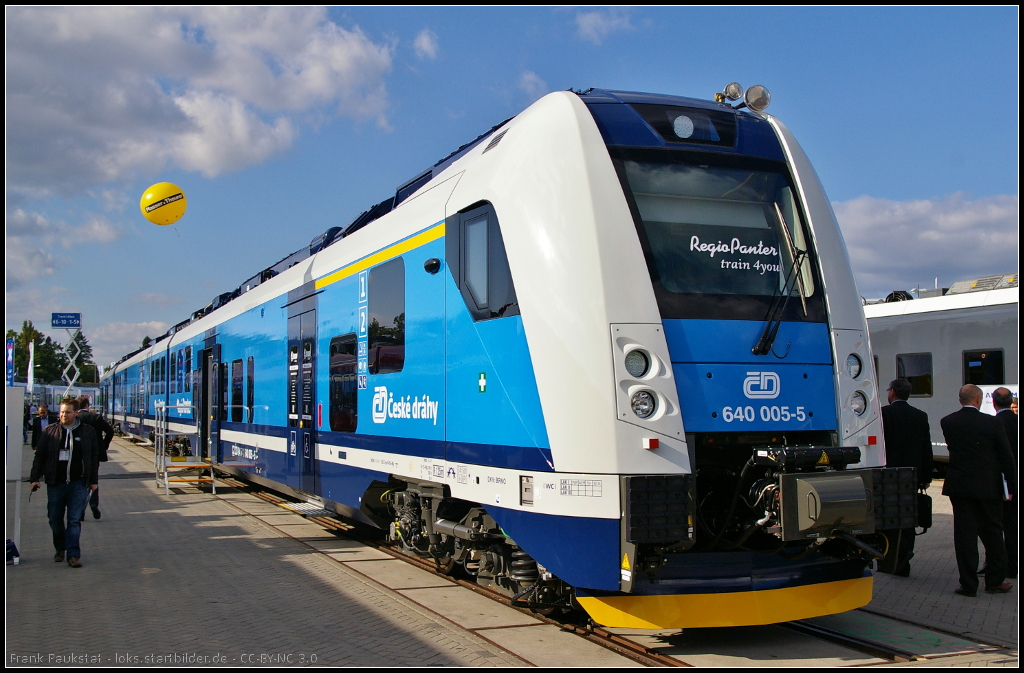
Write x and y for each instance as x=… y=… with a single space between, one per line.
x=72 y=323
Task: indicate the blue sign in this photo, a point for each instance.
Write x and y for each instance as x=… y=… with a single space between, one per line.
x=10 y=363
x=66 y=320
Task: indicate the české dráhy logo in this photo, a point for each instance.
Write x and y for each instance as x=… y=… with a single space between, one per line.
x=762 y=385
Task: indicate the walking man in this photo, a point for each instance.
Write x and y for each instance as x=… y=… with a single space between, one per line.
x=104 y=433
x=67 y=457
x=908 y=443
x=979 y=462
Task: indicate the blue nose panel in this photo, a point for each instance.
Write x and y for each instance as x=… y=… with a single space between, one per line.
x=732 y=341
x=748 y=397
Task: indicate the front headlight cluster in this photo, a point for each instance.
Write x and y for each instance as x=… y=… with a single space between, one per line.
x=854 y=368
x=643 y=402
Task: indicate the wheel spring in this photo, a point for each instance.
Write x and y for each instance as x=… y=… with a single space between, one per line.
x=524 y=568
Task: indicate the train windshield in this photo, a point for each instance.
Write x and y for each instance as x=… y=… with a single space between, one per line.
x=722 y=241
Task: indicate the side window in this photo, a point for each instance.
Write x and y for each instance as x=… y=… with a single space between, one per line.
x=188 y=369
x=250 y=390
x=343 y=388
x=224 y=391
x=479 y=265
x=236 y=391
x=386 y=333
x=916 y=368
x=984 y=368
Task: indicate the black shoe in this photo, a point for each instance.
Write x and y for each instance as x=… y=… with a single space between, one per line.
x=902 y=571
x=965 y=592
x=95 y=513
x=58 y=557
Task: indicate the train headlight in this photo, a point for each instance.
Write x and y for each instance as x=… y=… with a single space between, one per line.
x=853 y=365
x=683 y=126
x=858 y=403
x=733 y=91
x=757 y=98
x=643 y=403
x=637 y=363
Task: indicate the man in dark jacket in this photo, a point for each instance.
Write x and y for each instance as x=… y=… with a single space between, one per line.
x=104 y=433
x=908 y=443
x=979 y=462
x=39 y=423
x=67 y=457
x=1002 y=399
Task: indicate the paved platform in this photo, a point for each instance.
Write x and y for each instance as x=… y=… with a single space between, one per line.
x=234 y=580
x=189 y=578
x=927 y=598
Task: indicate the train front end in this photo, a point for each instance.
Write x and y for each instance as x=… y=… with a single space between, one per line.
x=746 y=433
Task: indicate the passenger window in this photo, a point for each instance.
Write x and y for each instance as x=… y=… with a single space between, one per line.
x=387 y=317
x=250 y=400
x=984 y=368
x=188 y=369
x=343 y=384
x=476 y=260
x=479 y=265
x=224 y=391
x=916 y=368
x=236 y=391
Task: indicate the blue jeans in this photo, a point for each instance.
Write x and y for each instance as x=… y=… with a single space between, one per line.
x=70 y=498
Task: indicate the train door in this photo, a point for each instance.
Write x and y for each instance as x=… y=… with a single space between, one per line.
x=301 y=401
x=210 y=403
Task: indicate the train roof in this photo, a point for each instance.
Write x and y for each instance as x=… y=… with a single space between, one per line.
x=949 y=302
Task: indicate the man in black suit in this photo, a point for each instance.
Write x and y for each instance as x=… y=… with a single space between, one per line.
x=1002 y=400
x=39 y=424
x=908 y=443
x=979 y=462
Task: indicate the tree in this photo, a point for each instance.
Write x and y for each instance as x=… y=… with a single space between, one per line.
x=50 y=360
x=146 y=341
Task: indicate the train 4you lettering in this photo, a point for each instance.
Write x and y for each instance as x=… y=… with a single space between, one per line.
x=386 y=406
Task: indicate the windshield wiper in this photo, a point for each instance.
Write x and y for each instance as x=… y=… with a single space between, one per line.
x=795 y=254
x=777 y=310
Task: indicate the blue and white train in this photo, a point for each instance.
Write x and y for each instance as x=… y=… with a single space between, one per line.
x=609 y=355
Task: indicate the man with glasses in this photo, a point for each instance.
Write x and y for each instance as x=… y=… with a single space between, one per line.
x=908 y=443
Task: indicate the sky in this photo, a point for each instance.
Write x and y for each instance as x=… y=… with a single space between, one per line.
x=279 y=123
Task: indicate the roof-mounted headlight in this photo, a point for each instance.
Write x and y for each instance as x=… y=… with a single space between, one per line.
x=757 y=98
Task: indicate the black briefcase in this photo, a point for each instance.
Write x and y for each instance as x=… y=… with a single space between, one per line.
x=924 y=511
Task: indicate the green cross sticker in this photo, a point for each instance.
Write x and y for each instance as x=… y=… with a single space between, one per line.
x=482 y=382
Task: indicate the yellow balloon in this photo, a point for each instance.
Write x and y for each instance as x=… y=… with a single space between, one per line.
x=163 y=203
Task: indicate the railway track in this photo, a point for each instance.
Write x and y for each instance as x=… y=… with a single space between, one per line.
x=620 y=644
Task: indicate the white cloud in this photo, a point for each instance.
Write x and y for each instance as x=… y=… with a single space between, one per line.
x=99 y=94
x=426 y=44
x=115 y=339
x=34 y=243
x=901 y=244
x=533 y=85
x=596 y=26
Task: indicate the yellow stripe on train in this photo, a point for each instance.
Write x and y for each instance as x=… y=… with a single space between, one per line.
x=742 y=608
x=384 y=255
